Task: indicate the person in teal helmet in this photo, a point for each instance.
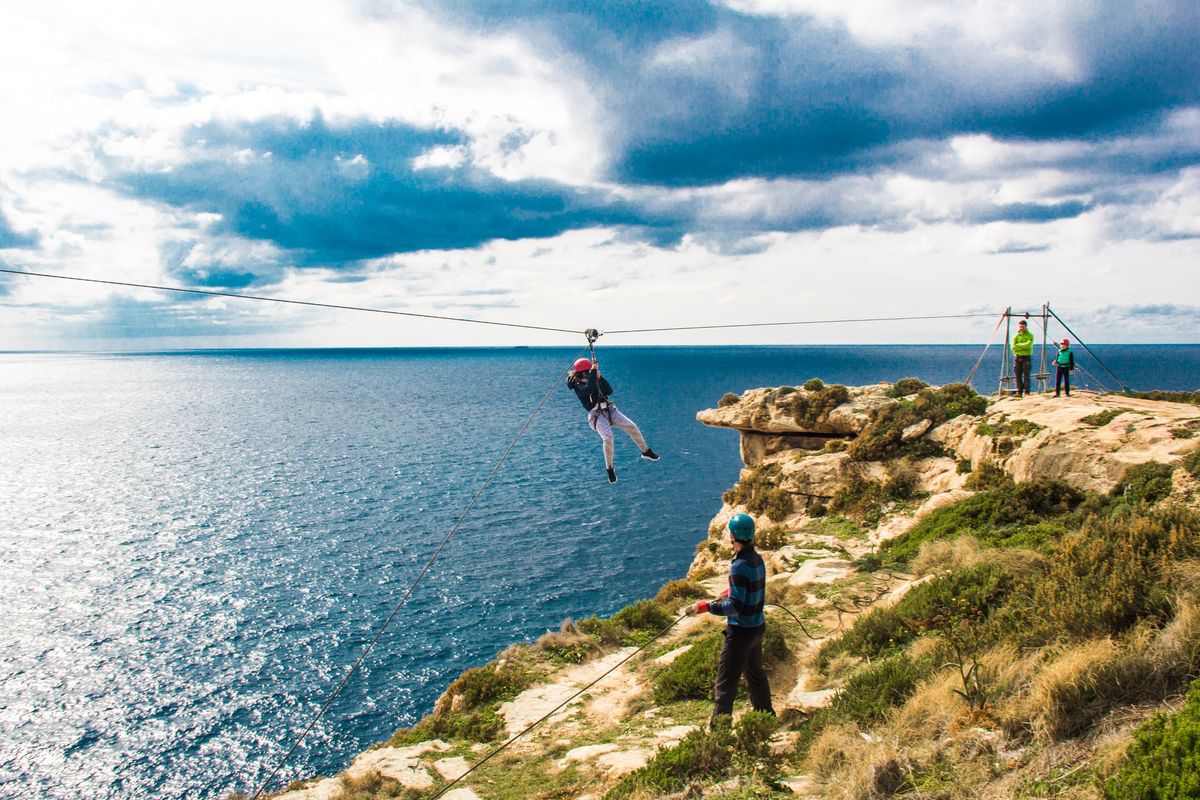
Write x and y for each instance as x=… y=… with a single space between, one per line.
x=742 y=604
x=1064 y=364
x=1022 y=350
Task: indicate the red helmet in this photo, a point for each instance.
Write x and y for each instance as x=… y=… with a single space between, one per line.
x=582 y=365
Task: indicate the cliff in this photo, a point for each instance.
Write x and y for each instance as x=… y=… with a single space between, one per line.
x=959 y=584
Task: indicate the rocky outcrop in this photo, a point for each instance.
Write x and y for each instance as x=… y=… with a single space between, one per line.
x=782 y=410
x=1086 y=440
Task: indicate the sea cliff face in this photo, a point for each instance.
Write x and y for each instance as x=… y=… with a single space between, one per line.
x=938 y=565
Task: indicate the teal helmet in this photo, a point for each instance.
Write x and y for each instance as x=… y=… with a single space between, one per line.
x=742 y=527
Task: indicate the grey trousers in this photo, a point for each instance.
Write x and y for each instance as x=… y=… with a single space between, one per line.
x=598 y=421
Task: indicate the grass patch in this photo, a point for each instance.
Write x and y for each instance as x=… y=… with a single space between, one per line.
x=1020 y=515
x=1191 y=462
x=1145 y=483
x=728 y=399
x=1163 y=761
x=1102 y=418
x=771 y=538
x=836 y=526
x=988 y=476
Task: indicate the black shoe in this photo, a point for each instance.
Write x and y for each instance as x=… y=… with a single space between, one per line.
x=612 y=475
x=650 y=455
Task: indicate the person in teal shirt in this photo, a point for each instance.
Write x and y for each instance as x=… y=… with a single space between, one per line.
x=1064 y=363
x=1022 y=350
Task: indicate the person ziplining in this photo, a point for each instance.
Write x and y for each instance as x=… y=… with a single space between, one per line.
x=593 y=391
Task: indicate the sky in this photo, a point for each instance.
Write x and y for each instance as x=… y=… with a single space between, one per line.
x=612 y=165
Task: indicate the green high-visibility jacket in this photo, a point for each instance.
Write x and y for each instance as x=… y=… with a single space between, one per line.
x=1022 y=344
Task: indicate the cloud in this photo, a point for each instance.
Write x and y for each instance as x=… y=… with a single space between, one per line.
x=11 y=238
x=336 y=193
x=703 y=93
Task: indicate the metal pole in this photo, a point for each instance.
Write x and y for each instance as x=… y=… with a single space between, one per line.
x=1007 y=346
x=1075 y=336
x=1045 y=330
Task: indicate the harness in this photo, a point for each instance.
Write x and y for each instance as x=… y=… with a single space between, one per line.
x=603 y=405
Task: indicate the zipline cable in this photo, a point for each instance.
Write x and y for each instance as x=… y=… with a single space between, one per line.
x=262 y=298
x=408 y=593
x=553 y=711
x=796 y=322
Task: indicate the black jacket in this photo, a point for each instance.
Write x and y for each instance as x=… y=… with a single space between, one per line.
x=591 y=389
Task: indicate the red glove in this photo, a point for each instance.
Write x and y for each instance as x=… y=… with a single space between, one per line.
x=724 y=594
x=702 y=607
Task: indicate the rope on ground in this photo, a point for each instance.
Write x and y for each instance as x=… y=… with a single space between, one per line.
x=411 y=588
x=261 y=298
x=553 y=711
x=796 y=322
x=861 y=601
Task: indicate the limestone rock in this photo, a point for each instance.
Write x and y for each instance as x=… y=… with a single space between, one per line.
x=916 y=430
x=766 y=411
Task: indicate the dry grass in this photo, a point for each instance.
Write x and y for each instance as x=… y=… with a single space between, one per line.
x=930 y=713
x=1089 y=679
x=946 y=555
x=834 y=748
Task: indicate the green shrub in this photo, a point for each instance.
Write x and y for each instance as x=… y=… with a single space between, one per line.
x=760 y=493
x=680 y=590
x=975 y=590
x=1003 y=426
x=1191 y=462
x=691 y=676
x=479 y=725
x=1166 y=396
x=706 y=756
x=1183 y=433
x=877 y=688
x=867 y=696
x=808 y=409
x=1109 y=576
x=785 y=390
x=963 y=466
x=771 y=538
x=988 y=476
x=997 y=517
x=817 y=508
x=478 y=686
x=814 y=385
x=632 y=625
x=902 y=480
x=905 y=387
x=1102 y=418
x=728 y=399
x=861 y=499
x=1145 y=483
x=700 y=755
x=373 y=786
x=1163 y=762
x=882 y=438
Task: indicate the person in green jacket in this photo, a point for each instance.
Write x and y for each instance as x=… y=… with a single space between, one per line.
x=1064 y=362
x=1022 y=350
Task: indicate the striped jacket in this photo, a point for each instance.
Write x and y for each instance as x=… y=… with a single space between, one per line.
x=747 y=591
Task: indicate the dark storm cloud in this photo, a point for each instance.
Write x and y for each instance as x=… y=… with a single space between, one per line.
x=334 y=194
x=765 y=96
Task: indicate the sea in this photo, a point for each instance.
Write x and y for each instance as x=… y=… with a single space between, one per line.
x=195 y=546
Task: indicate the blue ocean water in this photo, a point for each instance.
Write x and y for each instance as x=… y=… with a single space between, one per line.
x=194 y=546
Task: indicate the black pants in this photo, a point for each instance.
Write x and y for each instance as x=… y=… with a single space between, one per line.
x=742 y=652
x=1022 y=368
x=1062 y=377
